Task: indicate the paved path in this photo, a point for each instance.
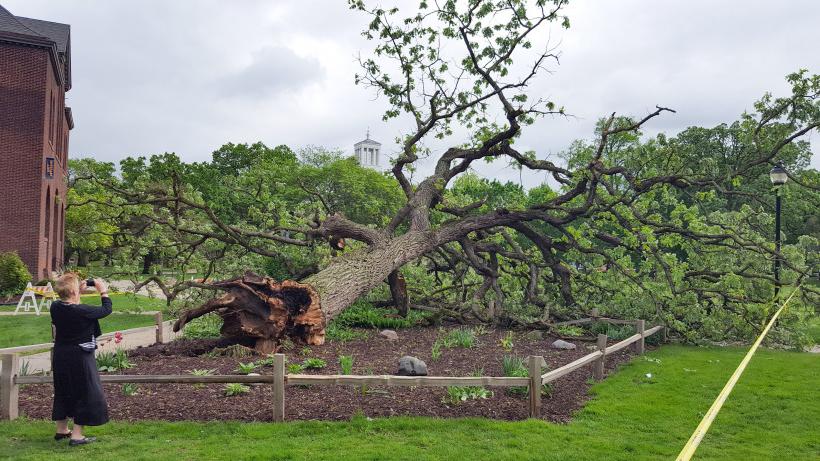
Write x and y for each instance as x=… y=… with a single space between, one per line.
x=128 y=286
x=42 y=361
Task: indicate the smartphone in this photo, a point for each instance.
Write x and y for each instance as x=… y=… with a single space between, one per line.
x=89 y=283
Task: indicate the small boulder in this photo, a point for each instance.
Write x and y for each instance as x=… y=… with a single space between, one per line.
x=561 y=344
x=534 y=335
x=255 y=384
x=389 y=334
x=411 y=366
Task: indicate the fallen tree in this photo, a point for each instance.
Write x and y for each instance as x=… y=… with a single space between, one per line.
x=600 y=204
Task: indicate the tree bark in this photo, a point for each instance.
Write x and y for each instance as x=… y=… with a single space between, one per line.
x=82 y=258
x=350 y=276
x=398 y=289
x=147 y=261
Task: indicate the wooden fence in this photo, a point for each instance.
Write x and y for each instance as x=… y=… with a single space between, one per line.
x=10 y=380
x=158 y=327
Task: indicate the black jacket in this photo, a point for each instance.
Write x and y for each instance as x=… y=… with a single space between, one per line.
x=76 y=323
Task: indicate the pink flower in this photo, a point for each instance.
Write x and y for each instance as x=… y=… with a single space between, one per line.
x=117 y=337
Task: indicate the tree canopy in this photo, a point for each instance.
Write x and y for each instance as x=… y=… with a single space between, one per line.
x=675 y=228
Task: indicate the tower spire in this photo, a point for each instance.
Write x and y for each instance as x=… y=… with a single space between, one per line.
x=368 y=133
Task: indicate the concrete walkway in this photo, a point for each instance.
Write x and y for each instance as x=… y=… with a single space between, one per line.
x=41 y=362
x=128 y=286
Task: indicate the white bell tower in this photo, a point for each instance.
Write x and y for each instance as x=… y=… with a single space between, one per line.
x=368 y=152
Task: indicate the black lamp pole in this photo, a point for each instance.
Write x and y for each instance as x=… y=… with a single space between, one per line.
x=777 y=243
x=778 y=177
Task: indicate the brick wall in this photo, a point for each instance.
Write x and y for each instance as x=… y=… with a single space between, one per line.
x=31 y=101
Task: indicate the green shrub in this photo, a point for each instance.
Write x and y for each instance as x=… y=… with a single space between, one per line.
x=295 y=368
x=460 y=337
x=346 y=364
x=341 y=333
x=364 y=315
x=314 y=363
x=435 y=353
x=113 y=361
x=570 y=330
x=201 y=372
x=266 y=362
x=232 y=389
x=516 y=368
x=619 y=333
x=14 y=274
x=207 y=326
x=458 y=394
x=614 y=332
x=129 y=389
x=245 y=368
x=654 y=340
x=507 y=342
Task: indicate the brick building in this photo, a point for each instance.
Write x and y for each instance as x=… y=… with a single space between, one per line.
x=35 y=73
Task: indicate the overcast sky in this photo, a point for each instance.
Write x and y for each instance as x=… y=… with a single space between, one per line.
x=186 y=76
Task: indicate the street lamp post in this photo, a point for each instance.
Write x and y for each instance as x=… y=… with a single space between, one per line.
x=778 y=177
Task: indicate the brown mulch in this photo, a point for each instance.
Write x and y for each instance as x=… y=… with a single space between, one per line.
x=375 y=355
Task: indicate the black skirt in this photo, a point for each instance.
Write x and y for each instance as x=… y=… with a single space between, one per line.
x=78 y=393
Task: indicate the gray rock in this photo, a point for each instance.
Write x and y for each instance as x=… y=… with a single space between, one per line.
x=534 y=335
x=389 y=334
x=411 y=366
x=255 y=384
x=561 y=344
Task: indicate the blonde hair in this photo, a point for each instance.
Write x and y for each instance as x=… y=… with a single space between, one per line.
x=67 y=285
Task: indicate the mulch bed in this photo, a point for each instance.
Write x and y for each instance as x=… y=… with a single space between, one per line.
x=375 y=355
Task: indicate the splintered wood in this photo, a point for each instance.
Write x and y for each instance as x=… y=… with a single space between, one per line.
x=260 y=308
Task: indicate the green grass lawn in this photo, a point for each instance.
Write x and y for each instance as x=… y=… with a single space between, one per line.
x=773 y=414
x=123 y=302
x=22 y=330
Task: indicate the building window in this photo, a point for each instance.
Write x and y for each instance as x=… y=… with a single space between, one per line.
x=51 y=124
x=49 y=167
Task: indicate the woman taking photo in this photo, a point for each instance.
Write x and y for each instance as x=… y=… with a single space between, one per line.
x=78 y=393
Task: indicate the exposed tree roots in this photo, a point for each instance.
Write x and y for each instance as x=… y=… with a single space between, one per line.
x=264 y=310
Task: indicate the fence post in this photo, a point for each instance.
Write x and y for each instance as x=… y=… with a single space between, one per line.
x=534 y=364
x=278 y=387
x=8 y=388
x=640 y=345
x=598 y=364
x=160 y=332
x=594 y=313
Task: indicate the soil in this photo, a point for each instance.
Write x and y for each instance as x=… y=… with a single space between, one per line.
x=374 y=355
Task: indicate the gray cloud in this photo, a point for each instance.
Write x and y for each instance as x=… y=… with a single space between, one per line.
x=188 y=75
x=273 y=70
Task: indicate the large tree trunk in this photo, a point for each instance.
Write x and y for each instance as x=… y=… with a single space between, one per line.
x=350 y=276
x=267 y=311
x=398 y=290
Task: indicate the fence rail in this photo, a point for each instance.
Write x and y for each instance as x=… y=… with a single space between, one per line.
x=45 y=346
x=10 y=380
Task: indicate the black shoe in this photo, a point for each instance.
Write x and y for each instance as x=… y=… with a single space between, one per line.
x=82 y=441
x=59 y=436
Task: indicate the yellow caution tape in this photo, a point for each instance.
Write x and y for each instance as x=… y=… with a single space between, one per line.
x=700 y=431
